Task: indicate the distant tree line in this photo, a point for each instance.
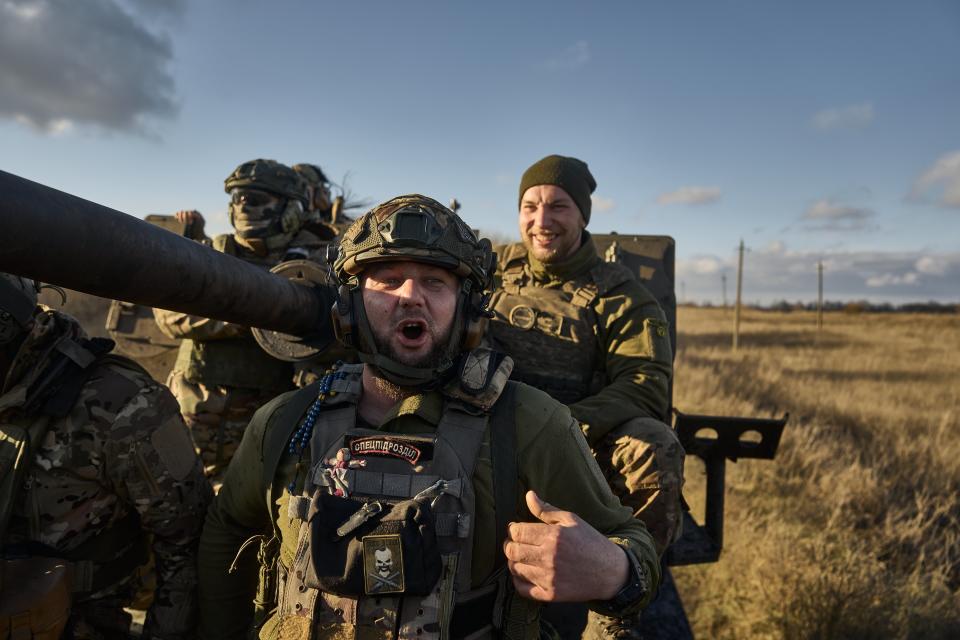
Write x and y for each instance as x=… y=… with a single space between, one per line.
x=854 y=306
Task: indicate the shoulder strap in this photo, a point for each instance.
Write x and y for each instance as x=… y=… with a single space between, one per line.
x=57 y=389
x=280 y=427
x=503 y=453
x=511 y=267
x=225 y=244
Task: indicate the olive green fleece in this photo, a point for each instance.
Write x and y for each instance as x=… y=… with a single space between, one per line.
x=553 y=460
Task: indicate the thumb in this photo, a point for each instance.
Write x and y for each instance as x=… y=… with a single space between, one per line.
x=544 y=511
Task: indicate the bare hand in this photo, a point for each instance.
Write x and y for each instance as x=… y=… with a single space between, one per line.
x=562 y=558
x=189 y=216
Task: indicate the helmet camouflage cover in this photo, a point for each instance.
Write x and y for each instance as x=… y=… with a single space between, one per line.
x=268 y=175
x=418 y=228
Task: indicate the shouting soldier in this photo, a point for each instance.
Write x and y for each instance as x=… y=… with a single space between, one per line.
x=482 y=490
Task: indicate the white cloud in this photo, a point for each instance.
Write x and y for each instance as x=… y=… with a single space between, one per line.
x=779 y=273
x=602 y=205
x=65 y=63
x=828 y=215
x=945 y=175
x=775 y=246
x=933 y=265
x=690 y=195
x=576 y=56
x=699 y=265
x=829 y=210
x=890 y=279
x=847 y=117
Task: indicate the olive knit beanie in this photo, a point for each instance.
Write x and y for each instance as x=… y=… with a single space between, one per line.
x=570 y=174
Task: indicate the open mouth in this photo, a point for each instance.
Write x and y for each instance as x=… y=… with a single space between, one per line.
x=413 y=330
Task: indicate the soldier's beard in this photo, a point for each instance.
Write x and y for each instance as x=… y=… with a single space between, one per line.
x=382 y=339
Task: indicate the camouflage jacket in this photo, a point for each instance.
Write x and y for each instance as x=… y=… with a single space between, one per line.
x=117 y=470
x=553 y=459
x=591 y=326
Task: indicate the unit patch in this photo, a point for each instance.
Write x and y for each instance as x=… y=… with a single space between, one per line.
x=383 y=564
x=413 y=450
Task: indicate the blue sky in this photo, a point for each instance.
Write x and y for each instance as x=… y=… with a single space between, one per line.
x=813 y=130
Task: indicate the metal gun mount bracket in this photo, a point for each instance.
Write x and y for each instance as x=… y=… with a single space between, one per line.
x=291 y=347
x=716 y=439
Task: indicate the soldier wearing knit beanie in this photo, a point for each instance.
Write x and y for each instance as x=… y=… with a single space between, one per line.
x=570 y=174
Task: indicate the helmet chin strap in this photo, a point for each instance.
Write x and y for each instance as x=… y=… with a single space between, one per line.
x=401 y=374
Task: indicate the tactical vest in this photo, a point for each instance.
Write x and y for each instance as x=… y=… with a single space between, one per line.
x=386 y=533
x=551 y=333
x=235 y=362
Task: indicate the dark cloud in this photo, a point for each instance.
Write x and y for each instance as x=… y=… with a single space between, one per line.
x=64 y=62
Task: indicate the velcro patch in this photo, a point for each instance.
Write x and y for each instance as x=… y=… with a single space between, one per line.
x=413 y=450
x=383 y=564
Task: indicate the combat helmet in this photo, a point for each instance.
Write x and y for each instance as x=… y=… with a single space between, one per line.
x=268 y=203
x=18 y=299
x=418 y=228
x=319 y=199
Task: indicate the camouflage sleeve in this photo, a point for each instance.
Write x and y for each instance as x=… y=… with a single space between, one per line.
x=177 y=325
x=638 y=362
x=228 y=578
x=557 y=463
x=153 y=466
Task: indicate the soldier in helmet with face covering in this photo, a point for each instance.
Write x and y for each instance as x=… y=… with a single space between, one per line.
x=221 y=375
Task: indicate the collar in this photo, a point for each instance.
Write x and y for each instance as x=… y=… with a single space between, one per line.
x=582 y=260
x=428 y=406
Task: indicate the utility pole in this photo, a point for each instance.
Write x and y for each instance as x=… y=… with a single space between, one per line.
x=819 y=299
x=723 y=278
x=736 y=310
x=683 y=292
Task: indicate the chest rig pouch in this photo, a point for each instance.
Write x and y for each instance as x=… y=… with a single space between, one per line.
x=386 y=525
x=374 y=547
x=551 y=332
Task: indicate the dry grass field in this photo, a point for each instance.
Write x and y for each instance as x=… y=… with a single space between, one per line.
x=854 y=530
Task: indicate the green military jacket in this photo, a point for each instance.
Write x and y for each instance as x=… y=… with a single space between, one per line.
x=605 y=325
x=554 y=460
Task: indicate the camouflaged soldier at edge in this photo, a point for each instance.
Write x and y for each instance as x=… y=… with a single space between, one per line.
x=221 y=375
x=429 y=420
x=111 y=467
x=589 y=334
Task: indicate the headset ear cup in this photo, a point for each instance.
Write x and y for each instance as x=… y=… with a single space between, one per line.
x=476 y=325
x=344 y=320
x=474 y=332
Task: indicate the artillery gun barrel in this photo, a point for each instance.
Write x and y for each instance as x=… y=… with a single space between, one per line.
x=54 y=237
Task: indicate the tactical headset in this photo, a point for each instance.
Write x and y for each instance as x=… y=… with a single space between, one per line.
x=408 y=229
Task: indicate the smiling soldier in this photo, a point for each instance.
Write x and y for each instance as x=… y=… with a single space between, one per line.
x=462 y=519
x=589 y=334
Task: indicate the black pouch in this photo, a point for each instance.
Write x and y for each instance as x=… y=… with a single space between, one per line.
x=372 y=548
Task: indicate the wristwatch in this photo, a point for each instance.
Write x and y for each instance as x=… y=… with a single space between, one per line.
x=636 y=589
